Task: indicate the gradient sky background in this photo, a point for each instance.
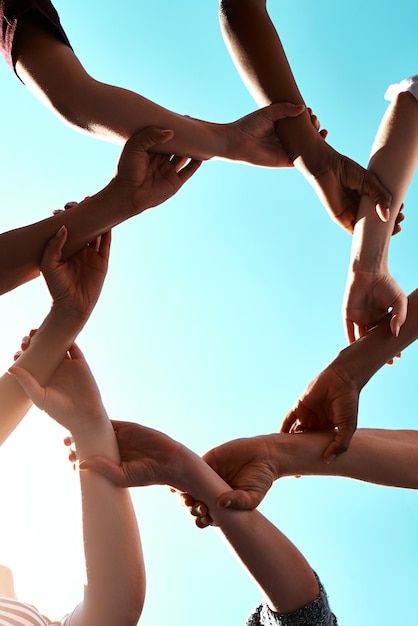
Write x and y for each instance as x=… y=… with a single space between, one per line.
x=219 y=307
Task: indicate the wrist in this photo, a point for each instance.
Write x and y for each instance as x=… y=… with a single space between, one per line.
x=122 y=197
x=349 y=365
x=67 y=318
x=302 y=142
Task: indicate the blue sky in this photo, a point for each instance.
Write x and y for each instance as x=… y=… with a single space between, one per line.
x=219 y=307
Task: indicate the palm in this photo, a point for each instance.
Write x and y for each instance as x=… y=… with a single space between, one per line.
x=340 y=182
x=368 y=297
x=259 y=143
x=329 y=402
x=78 y=281
x=151 y=178
x=245 y=464
x=71 y=394
x=148 y=456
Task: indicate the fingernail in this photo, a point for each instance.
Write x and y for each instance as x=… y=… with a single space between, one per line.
x=199 y=509
x=227 y=504
x=397 y=330
x=61 y=231
x=330 y=459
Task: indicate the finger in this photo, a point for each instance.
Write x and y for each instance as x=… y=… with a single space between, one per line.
x=147 y=139
x=17 y=355
x=288 y=422
x=187 y=172
x=199 y=509
x=71 y=204
x=75 y=353
x=339 y=444
x=106 y=468
x=324 y=133
x=68 y=441
x=30 y=386
x=53 y=250
x=105 y=241
x=25 y=343
x=178 y=162
x=363 y=329
x=203 y=522
x=239 y=500
x=95 y=243
x=279 y=110
x=399 y=313
x=72 y=457
x=57 y=211
x=380 y=195
x=349 y=331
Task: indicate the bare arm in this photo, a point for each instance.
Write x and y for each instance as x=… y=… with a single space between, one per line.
x=330 y=401
x=115 y=588
x=46 y=351
x=54 y=74
x=143 y=180
x=370 y=288
x=251 y=465
x=150 y=457
x=258 y=54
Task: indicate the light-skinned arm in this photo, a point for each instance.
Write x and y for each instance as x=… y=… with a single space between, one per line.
x=258 y=54
x=150 y=457
x=75 y=287
x=115 y=589
x=370 y=289
x=54 y=74
x=143 y=180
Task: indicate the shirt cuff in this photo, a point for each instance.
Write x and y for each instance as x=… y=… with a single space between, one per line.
x=409 y=84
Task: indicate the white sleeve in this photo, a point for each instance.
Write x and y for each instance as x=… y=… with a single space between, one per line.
x=409 y=84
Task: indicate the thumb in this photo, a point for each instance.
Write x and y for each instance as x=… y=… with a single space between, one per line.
x=148 y=138
x=279 y=110
x=339 y=444
x=239 y=499
x=53 y=250
x=399 y=312
x=30 y=386
x=106 y=468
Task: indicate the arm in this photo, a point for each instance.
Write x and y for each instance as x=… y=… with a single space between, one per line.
x=54 y=74
x=251 y=465
x=143 y=180
x=260 y=58
x=149 y=457
x=115 y=588
x=370 y=289
x=330 y=401
x=75 y=287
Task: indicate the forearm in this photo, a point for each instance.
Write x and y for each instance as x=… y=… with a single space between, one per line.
x=259 y=57
x=115 y=588
x=384 y=457
x=55 y=75
x=361 y=360
x=46 y=350
x=271 y=559
x=21 y=249
x=394 y=159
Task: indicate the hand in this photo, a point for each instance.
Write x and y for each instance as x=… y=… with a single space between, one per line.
x=367 y=299
x=254 y=139
x=329 y=402
x=340 y=182
x=72 y=397
x=148 y=457
x=149 y=179
x=249 y=466
x=75 y=284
